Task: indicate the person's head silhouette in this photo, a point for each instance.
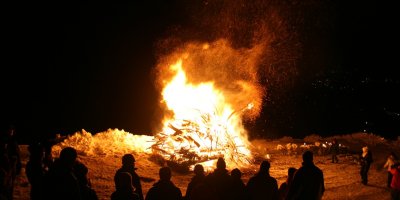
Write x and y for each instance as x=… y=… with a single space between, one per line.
x=198 y=169
x=221 y=163
x=68 y=156
x=236 y=173
x=128 y=160
x=264 y=166
x=308 y=157
x=165 y=174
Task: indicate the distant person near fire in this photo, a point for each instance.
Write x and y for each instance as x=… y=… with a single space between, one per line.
x=395 y=184
x=391 y=160
x=365 y=162
x=335 y=151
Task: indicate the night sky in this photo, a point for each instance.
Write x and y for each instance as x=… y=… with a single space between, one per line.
x=68 y=67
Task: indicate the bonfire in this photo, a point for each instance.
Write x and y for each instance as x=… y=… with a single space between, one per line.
x=207 y=89
x=204 y=126
x=203 y=112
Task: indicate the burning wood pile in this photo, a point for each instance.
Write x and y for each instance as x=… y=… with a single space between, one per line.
x=207 y=90
x=195 y=141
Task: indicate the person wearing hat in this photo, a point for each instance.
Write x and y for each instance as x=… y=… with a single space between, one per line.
x=128 y=165
x=365 y=162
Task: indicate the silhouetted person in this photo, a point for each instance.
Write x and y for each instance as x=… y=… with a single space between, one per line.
x=262 y=185
x=284 y=187
x=220 y=181
x=85 y=189
x=197 y=179
x=48 y=159
x=335 y=151
x=164 y=189
x=365 y=162
x=10 y=147
x=61 y=182
x=308 y=181
x=395 y=184
x=35 y=170
x=238 y=187
x=391 y=160
x=128 y=165
x=198 y=189
x=5 y=177
x=3 y=194
x=123 y=187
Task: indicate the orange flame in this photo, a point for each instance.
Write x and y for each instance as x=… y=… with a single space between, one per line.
x=205 y=124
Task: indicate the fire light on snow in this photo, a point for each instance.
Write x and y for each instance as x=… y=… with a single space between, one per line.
x=108 y=143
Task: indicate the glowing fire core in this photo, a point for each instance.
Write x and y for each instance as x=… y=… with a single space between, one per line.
x=203 y=126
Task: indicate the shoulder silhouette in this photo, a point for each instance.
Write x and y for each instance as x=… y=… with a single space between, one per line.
x=164 y=189
x=262 y=185
x=308 y=181
x=128 y=165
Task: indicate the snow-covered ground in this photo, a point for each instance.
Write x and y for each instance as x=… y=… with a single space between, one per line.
x=342 y=180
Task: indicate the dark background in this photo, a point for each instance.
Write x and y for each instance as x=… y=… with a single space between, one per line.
x=69 y=67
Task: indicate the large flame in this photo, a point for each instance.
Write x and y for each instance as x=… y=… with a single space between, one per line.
x=205 y=123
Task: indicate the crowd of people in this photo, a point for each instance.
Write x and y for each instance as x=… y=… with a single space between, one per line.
x=65 y=177
x=307 y=182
